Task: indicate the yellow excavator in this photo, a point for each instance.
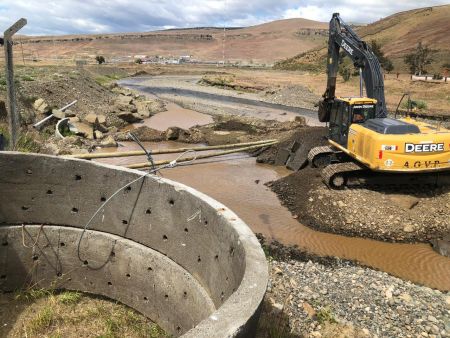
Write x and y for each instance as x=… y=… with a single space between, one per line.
x=364 y=144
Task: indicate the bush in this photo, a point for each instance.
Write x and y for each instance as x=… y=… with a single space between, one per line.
x=100 y=59
x=437 y=76
x=414 y=104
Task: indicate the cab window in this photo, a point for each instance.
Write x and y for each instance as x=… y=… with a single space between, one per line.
x=363 y=112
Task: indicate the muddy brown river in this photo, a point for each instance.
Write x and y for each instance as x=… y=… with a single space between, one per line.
x=238 y=182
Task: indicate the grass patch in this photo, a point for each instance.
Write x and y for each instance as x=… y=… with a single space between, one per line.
x=325 y=315
x=414 y=104
x=30 y=295
x=41 y=321
x=25 y=142
x=27 y=78
x=69 y=297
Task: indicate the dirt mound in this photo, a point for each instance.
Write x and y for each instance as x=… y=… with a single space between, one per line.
x=418 y=214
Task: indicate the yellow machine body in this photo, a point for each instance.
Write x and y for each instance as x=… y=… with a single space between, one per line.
x=427 y=149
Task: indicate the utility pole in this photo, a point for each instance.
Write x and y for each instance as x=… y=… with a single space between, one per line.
x=9 y=73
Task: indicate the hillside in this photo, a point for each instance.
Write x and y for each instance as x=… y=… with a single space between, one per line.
x=264 y=43
x=398 y=35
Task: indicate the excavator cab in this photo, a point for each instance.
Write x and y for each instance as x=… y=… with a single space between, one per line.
x=346 y=111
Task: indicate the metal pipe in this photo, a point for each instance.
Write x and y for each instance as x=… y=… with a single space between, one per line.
x=187 y=159
x=43 y=121
x=165 y=151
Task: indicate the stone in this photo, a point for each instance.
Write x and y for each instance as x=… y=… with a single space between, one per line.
x=82 y=129
x=41 y=106
x=408 y=228
x=123 y=100
x=129 y=117
x=108 y=142
x=173 y=133
x=59 y=114
x=92 y=118
x=98 y=135
x=146 y=109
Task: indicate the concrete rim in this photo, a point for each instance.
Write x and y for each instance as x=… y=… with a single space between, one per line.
x=238 y=314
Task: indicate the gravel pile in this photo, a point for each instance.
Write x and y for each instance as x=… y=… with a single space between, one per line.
x=336 y=298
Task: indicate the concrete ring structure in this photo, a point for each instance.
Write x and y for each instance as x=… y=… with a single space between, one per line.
x=174 y=254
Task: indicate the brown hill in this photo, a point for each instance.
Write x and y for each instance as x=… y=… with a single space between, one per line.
x=264 y=43
x=398 y=34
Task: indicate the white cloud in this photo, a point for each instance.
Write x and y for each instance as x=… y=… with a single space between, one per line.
x=101 y=16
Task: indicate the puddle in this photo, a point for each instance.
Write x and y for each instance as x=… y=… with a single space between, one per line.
x=176 y=116
x=238 y=182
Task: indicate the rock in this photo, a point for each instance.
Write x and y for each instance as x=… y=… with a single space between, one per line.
x=69 y=113
x=432 y=319
x=441 y=246
x=59 y=114
x=277 y=271
x=408 y=228
x=148 y=108
x=108 y=142
x=300 y=119
x=41 y=106
x=101 y=127
x=173 y=133
x=406 y=297
x=129 y=117
x=123 y=100
x=388 y=292
x=98 y=135
x=82 y=129
x=144 y=133
x=309 y=310
x=404 y=201
x=93 y=118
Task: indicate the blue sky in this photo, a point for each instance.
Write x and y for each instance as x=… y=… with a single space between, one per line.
x=46 y=17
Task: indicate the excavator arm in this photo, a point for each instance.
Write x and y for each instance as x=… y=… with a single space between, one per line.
x=342 y=36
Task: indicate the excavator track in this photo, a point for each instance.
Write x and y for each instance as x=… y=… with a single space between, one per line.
x=318 y=155
x=340 y=175
x=336 y=175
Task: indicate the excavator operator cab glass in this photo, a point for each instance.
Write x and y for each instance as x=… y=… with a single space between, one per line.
x=362 y=112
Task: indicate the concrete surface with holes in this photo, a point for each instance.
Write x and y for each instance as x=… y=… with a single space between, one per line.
x=170 y=252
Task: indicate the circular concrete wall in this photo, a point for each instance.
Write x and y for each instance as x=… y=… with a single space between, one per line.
x=174 y=254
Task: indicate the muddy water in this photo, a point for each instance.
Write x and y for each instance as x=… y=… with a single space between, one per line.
x=177 y=116
x=238 y=182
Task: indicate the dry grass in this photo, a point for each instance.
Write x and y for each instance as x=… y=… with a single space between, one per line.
x=42 y=313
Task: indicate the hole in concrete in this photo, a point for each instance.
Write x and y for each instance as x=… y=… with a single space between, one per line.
x=3 y=277
x=184 y=294
x=166 y=297
x=128 y=275
x=226 y=279
x=112 y=254
x=178 y=328
x=127 y=189
x=35 y=257
x=222 y=295
x=199 y=259
x=145 y=298
x=231 y=251
x=62 y=244
x=172 y=202
x=216 y=257
x=25 y=208
x=59 y=274
x=77 y=177
x=206 y=222
x=109 y=283
x=85 y=262
x=74 y=210
x=102 y=199
x=186 y=230
x=149 y=268
x=165 y=238
x=124 y=222
x=148 y=211
x=49 y=192
x=29 y=171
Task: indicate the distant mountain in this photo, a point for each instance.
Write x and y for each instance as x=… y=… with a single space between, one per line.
x=398 y=35
x=265 y=43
